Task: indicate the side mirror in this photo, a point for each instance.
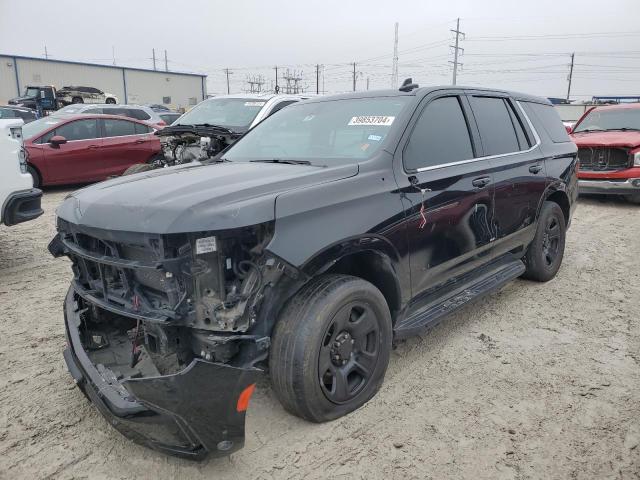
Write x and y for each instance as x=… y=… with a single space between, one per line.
x=57 y=140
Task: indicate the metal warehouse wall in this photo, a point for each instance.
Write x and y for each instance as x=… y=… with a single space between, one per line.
x=130 y=85
x=151 y=87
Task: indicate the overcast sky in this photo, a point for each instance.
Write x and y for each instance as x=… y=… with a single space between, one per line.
x=504 y=47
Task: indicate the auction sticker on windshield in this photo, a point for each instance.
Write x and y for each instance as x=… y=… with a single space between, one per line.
x=254 y=104
x=372 y=120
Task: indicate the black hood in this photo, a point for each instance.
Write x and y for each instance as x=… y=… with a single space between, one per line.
x=22 y=100
x=193 y=197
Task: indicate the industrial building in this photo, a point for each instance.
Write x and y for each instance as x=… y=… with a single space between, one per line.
x=130 y=85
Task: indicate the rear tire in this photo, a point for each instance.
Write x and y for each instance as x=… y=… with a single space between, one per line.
x=634 y=198
x=137 y=168
x=330 y=348
x=544 y=255
x=35 y=175
x=110 y=101
x=77 y=100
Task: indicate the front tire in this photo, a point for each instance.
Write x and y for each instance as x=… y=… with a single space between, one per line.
x=634 y=198
x=110 y=101
x=77 y=100
x=545 y=253
x=35 y=175
x=330 y=347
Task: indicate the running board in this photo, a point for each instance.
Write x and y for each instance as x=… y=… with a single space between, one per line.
x=445 y=303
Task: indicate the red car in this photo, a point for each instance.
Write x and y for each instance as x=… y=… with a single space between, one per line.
x=66 y=149
x=608 y=140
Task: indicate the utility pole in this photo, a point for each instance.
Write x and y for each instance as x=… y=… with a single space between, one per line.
x=277 y=89
x=154 y=58
x=457 y=50
x=570 y=77
x=394 y=71
x=228 y=72
x=113 y=54
x=354 y=76
x=166 y=62
x=367 y=83
x=46 y=53
x=317 y=78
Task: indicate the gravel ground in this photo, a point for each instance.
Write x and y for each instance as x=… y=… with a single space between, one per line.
x=536 y=381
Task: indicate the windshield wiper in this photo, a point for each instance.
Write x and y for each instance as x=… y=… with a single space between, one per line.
x=279 y=160
x=588 y=130
x=624 y=129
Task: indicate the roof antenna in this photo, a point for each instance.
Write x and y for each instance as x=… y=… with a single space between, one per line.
x=408 y=85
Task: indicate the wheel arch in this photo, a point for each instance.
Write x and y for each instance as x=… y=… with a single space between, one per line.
x=38 y=172
x=557 y=194
x=372 y=258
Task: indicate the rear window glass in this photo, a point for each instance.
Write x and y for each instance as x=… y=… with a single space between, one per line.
x=548 y=118
x=495 y=125
x=118 y=128
x=138 y=114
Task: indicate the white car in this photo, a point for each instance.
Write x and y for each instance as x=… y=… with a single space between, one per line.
x=19 y=201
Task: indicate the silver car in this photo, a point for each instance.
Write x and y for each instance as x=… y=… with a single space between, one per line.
x=138 y=112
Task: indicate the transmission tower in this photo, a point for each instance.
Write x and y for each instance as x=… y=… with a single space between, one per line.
x=255 y=83
x=292 y=79
x=394 y=71
x=457 y=51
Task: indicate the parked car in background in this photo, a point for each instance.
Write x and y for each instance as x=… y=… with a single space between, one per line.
x=214 y=124
x=169 y=117
x=157 y=107
x=11 y=111
x=137 y=112
x=83 y=148
x=19 y=201
x=608 y=140
x=328 y=231
x=51 y=98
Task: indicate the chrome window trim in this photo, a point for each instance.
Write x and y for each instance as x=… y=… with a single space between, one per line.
x=490 y=157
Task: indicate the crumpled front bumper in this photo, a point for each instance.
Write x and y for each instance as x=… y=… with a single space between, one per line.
x=191 y=414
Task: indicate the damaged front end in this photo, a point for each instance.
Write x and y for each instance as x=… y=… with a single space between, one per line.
x=187 y=143
x=167 y=333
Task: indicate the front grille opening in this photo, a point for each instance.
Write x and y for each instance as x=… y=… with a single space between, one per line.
x=603 y=158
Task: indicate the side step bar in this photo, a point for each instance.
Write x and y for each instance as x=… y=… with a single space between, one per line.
x=448 y=302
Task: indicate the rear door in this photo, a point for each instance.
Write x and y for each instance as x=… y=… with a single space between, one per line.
x=447 y=192
x=79 y=159
x=520 y=179
x=124 y=144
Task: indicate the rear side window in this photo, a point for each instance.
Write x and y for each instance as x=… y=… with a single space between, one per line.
x=138 y=114
x=495 y=125
x=118 y=128
x=140 y=129
x=440 y=136
x=79 y=130
x=548 y=117
x=93 y=110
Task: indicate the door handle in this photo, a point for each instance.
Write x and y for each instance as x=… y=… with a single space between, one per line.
x=535 y=169
x=481 y=182
x=140 y=141
x=93 y=147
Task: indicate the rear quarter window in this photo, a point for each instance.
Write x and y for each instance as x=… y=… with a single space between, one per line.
x=546 y=116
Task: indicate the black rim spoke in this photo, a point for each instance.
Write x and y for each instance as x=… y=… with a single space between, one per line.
x=349 y=353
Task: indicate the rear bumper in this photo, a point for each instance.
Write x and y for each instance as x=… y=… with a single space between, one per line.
x=190 y=414
x=614 y=186
x=22 y=206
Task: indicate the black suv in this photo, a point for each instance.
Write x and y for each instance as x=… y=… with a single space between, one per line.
x=333 y=228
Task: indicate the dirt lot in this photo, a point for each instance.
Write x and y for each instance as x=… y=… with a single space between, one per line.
x=536 y=381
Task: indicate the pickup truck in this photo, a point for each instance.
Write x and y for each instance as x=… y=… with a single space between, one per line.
x=19 y=201
x=608 y=140
x=51 y=98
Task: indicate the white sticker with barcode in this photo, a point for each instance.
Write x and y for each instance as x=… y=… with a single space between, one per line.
x=206 y=245
x=254 y=104
x=372 y=120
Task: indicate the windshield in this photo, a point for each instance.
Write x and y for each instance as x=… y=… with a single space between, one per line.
x=338 y=130
x=32 y=92
x=613 y=119
x=33 y=129
x=233 y=113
